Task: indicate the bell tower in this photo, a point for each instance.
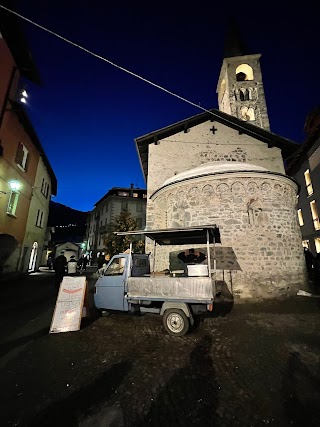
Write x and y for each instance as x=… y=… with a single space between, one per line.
x=240 y=87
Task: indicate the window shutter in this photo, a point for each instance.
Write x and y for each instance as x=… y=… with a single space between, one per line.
x=27 y=163
x=19 y=154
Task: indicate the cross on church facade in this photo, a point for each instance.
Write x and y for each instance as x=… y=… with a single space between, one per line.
x=213 y=129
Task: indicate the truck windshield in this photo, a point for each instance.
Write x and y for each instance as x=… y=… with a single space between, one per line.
x=116 y=268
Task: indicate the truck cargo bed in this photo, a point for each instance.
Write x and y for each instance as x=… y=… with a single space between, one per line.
x=163 y=287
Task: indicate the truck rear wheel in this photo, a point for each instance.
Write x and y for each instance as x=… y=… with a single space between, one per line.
x=175 y=322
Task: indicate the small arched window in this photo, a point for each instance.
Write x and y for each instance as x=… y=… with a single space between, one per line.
x=244 y=94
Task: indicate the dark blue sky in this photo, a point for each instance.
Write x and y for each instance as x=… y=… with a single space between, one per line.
x=88 y=112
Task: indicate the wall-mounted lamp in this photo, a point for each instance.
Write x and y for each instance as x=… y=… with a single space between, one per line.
x=14 y=186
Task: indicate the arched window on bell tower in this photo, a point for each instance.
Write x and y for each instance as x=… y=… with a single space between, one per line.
x=244 y=73
x=243 y=94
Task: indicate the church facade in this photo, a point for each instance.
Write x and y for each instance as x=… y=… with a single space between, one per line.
x=225 y=167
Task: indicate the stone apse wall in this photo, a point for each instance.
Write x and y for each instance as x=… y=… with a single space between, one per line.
x=260 y=255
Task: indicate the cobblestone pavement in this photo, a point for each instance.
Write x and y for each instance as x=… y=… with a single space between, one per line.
x=257 y=365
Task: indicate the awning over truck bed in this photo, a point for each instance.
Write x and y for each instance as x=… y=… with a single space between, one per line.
x=179 y=236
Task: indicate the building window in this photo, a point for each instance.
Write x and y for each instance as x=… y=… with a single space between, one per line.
x=44 y=188
x=139 y=207
x=144 y=196
x=124 y=206
x=300 y=217
x=116 y=268
x=139 y=223
x=22 y=157
x=39 y=221
x=12 y=204
x=307 y=178
x=306 y=244
x=244 y=73
x=123 y=193
x=315 y=217
x=243 y=94
x=135 y=195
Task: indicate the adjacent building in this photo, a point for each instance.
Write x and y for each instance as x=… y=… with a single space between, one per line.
x=108 y=208
x=304 y=167
x=27 y=180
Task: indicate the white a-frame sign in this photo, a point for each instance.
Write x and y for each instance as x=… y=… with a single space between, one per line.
x=68 y=310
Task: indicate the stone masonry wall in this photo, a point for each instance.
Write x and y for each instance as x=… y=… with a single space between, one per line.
x=256 y=214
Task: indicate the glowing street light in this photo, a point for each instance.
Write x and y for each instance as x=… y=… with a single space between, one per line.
x=14 y=185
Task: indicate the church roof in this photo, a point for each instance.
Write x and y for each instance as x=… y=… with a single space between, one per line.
x=212 y=168
x=287 y=146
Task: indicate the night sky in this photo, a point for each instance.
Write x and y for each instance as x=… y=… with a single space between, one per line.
x=87 y=112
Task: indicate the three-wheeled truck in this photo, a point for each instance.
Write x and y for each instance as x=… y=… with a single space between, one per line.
x=129 y=283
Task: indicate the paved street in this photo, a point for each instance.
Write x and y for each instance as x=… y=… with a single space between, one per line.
x=257 y=365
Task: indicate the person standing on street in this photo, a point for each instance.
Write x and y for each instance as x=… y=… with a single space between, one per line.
x=59 y=266
x=50 y=262
x=72 y=266
x=82 y=263
x=101 y=260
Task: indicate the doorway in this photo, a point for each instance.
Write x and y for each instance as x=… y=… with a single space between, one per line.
x=33 y=257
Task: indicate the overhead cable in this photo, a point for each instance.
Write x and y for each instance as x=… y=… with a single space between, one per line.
x=103 y=59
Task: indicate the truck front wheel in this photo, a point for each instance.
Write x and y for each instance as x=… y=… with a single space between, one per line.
x=175 y=322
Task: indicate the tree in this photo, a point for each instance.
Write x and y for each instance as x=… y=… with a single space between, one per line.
x=116 y=244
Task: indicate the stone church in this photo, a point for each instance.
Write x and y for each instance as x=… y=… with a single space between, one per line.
x=225 y=167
